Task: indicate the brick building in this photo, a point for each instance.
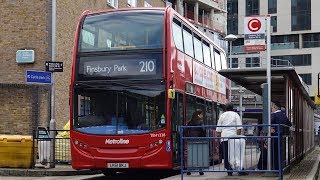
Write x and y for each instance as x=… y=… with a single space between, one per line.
x=26 y=24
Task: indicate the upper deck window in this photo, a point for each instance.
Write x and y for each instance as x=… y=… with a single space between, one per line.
x=132 y=3
x=187 y=40
x=122 y=30
x=217 y=60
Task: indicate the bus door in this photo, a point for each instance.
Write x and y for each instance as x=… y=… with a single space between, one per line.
x=177 y=112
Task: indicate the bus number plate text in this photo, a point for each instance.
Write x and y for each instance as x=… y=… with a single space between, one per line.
x=118 y=165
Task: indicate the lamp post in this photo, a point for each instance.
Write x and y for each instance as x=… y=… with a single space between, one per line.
x=52 y=124
x=230 y=38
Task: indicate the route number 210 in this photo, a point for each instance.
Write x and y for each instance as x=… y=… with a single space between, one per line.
x=147 y=66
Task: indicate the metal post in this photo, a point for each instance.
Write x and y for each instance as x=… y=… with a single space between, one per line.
x=318 y=85
x=269 y=88
x=53 y=121
x=181 y=152
x=230 y=60
x=279 y=152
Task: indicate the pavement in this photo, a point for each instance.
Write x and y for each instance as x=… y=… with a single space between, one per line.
x=308 y=168
x=38 y=171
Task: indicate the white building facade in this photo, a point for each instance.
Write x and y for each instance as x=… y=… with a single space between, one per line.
x=295 y=35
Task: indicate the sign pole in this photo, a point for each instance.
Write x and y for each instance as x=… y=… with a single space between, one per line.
x=53 y=121
x=269 y=87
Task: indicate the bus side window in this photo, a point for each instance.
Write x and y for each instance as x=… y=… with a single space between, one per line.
x=187 y=41
x=190 y=107
x=209 y=118
x=201 y=105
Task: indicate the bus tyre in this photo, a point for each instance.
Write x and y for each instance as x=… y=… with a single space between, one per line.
x=108 y=172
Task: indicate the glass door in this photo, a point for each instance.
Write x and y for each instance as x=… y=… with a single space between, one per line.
x=177 y=112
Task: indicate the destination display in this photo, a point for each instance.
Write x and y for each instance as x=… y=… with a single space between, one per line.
x=118 y=66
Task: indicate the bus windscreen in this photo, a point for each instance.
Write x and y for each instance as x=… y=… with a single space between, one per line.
x=122 y=30
x=112 y=108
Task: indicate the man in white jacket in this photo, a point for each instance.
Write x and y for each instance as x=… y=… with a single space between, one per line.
x=230 y=119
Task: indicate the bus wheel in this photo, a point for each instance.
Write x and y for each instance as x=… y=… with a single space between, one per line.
x=108 y=172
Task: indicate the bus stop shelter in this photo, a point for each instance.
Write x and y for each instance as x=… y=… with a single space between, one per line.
x=289 y=91
x=283 y=79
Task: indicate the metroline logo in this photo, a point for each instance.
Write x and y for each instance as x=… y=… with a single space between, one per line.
x=117 y=141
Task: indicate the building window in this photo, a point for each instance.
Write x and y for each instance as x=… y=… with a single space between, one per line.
x=272 y=6
x=274 y=23
x=232 y=6
x=113 y=3
x=311 y=40
x=232 y=24
x=132 y=3
x=232 y=18
x=296 y=60
x=306 y=78
x=285 y=41
x=238 y=42
x=252 y=7
x=300 y=15
x=234 y=63
x=253 y=62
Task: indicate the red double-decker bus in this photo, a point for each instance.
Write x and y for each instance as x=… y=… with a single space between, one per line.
x=137 y=75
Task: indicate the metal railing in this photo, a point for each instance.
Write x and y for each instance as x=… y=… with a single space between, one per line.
x=274 y=46
x=244 y=153
x=280 y=63
x=288 y=45
x=42 y=143
x=311 y=44
x=261 y=64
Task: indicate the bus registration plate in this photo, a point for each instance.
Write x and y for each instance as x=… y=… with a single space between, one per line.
x=118 y=165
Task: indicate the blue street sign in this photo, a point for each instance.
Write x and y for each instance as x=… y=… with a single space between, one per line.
x=41 y=77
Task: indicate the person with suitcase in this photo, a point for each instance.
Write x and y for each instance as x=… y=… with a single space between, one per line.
x=230 y=119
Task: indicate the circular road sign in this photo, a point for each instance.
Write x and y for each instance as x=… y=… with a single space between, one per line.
x=254 y=25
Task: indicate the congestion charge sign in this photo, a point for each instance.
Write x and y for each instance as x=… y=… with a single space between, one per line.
x=111 y=68
x=254 y=25
x=254 y=34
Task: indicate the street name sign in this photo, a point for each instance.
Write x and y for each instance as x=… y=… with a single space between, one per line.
x=40 y=77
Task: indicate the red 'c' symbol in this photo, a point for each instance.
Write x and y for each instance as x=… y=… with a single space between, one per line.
x=254 y=25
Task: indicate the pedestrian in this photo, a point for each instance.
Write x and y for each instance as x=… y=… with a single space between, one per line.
x=196 y=120
x=231 y=119
x=278 y=117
